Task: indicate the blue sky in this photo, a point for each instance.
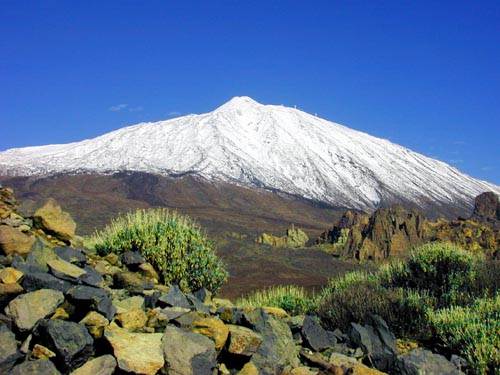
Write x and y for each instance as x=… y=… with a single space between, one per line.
x=422 y=74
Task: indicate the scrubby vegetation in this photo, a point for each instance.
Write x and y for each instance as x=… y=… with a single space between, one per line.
x=449 y=293
x=174 y=244
x=472 y=331
x=290 y=298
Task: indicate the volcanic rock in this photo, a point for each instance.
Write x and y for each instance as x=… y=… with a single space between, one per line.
x=188 y=353
x=27 y=309
x=70 y=341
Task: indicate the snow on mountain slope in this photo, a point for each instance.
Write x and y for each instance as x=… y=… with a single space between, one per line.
x=268 y=146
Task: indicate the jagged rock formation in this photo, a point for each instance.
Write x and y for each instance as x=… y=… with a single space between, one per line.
x=19 y=234
x=393 y=231
x=294 y=237
x=487 y=209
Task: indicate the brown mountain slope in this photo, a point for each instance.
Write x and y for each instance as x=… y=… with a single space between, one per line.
x=220 y=207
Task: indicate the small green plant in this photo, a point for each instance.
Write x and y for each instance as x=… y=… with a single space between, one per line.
x=291 y=298
x=443 y=270
x=473 y=332
x=174 y=244
x=354 y=296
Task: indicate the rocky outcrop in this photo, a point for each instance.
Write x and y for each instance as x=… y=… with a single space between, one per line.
x=393 y=231
x=19 y=235
x=294 y=237
x=388 y=231
x=487 y=209
x=53 y=220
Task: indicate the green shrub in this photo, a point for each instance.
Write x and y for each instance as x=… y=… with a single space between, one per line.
x=443 y=270
x=291 y=298
x=354 y=296
x=473 y=332
x=172 y=243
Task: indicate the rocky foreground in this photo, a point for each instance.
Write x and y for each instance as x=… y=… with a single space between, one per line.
x=67 y=310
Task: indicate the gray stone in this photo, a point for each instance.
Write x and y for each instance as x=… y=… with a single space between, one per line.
x=132 y=259
x=204 y=295
x=316 y=337
x=39 y=280
x=71 y=255
x=8 y=349
x=70 y=341
x=131 y=281
x=172 y=313
x=39 y=257
x=139 y=353
x=188 y=353
x=277 y=350
x=175 y=298
x=88 y=298
x=91 y=277
x=197 y=304
x=27 y=309
x=38 y=367
x=423 y=362
x=377 y=342
x=104 y=365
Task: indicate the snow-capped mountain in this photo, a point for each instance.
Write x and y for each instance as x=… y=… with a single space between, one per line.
x=267 y=146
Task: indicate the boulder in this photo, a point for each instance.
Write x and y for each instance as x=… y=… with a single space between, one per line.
x=376 y=341
x=420 y=361
x=70 y=341
x=148 y=271
x=132 y=319
x=87 y=298
x=91 y=277
x=95 y=324
x=197 y=305
x=278 y=348
x=65 y=270
x=350 y=365
x=9 y=353
x=10 y=275
x=8 y=292
x=42 y=352
x=213 y=328
x=243 y=341
x=38 y=367
x=39 y=280
x=175 y=298
x=36 y=261
x=249 y=368
x=140 y=353
x=172 y=313
x=13 y=241
x=188 y=353
x=104 y=365
x=27 y=309
x=124 y=305
x=203 y=295
x=294 y=237
x=487 y=208
x=315 y=336
x=132 y=259
x=53 y=220
x=71 y=255
x=131 y=281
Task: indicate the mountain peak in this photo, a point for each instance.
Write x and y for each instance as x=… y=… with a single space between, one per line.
x=240 y=102
x=256 y=145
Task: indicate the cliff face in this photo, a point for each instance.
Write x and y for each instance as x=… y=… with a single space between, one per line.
x=487 y=209
x=393 y=231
